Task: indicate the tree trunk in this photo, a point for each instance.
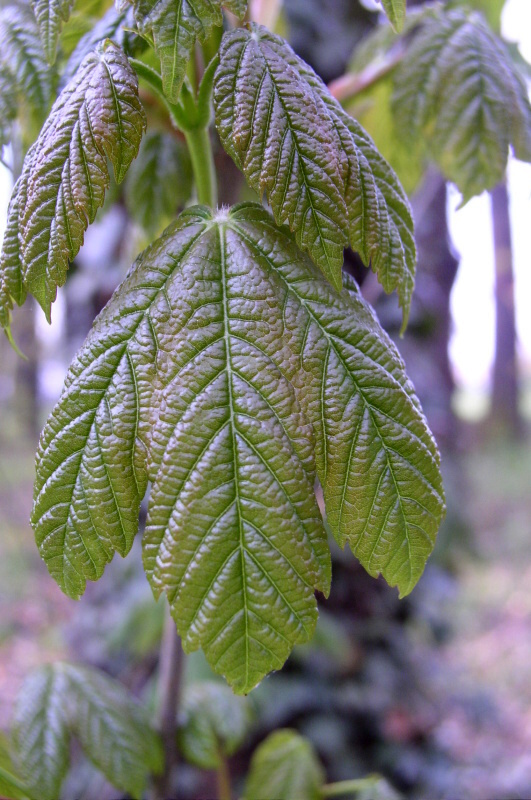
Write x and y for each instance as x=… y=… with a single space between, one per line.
x=504 y=408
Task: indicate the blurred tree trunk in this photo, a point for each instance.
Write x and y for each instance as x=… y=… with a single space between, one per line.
x=504 y=409
x=26 y=370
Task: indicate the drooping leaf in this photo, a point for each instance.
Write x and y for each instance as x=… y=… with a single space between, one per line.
x=201 y=373
x=233 y=537
x=320 y=171
x=97 y=117
x=175 y=25
x=61 y=699
x=213 y=725
x=24 y=67
x=396 y=12
x=12 y=289
x=376 y=459
x=159 y=181
x=285 y=766
x=50 y=16
x=40 y=732
x=458 y=89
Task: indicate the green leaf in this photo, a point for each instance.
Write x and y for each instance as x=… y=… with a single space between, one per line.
x=40 y=733
x=396 y=12
x=320 y=171
x=12 y=785
x=214 y=724
x=25 y=68
x=285 y=766
x=108 y=27
x=97 y=117
x=459 y=90
x=175 y=25
x=232 y=517
x=50 y=16
x=376 y=459
x=12 y=289
x=159 y=181
x=59 y=700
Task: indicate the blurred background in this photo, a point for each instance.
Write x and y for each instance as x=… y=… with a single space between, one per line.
x=434 y=691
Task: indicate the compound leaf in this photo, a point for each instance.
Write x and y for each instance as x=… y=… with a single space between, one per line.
x=320 y=171
x=40 y=734
x=159 y=181
x=206 y=372
x=97 y=117
x=285 y=766
x=61 y=699
x=213 y=725
x=50 y=16
x=458 y=89
x=175 y=25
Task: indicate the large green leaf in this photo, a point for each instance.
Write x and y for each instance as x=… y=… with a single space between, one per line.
x=159 y=181
x=202 y=374
x=376 y=459
x=61 y=699
x=50 y=16
x=97 y=117
x=285 y=767
x=175 y=25
x=320 y=171
x=213 y=724
x=458 y=90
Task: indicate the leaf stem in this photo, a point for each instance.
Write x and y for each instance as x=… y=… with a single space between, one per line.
x=198 y=141
x=223 y=778
x=171 y=664
x=350 y=787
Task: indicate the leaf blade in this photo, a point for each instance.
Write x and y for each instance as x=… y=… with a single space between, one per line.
x=285 y=766
x=50 y=16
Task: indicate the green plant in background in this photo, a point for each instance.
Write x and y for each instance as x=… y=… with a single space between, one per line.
x=236 y=365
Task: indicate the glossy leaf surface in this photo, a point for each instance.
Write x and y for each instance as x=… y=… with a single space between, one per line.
x=222 y=368
x=97 y=117
x=320 y=171
x=175 y=26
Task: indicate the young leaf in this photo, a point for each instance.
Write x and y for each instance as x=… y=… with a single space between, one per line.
x=59 y=700
x=376 y=459
x=30 y=78
x=213 y=726
x=108 y=27
x=113 y=729
x=396 y=12
x=97 y=117
x=175 y=25
x=459 y=90
x=320 y=171
x=232 y=517
x=285 y=766
x=159 y=181
x=12 y=289
x=50 y=16
x=40 y=732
